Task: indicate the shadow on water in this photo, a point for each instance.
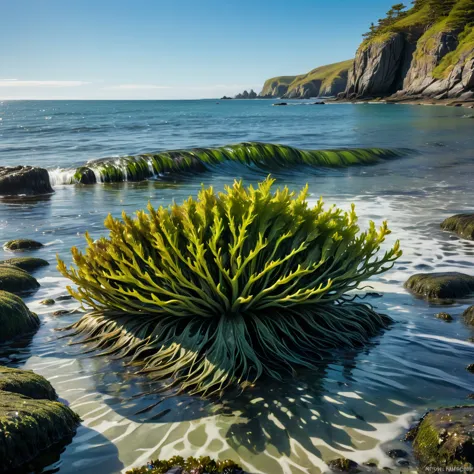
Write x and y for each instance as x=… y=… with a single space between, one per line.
x=272 y=413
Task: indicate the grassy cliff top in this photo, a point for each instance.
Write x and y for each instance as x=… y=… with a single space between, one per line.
x=431 y=16
x=326 y=74
x=273 y=82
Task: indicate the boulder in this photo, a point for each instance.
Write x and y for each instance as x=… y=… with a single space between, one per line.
x=441 y=285
x=468 y=316
x=26 y=263
x=26 y=382
x=30 y=425
x=27 y=180
x=15 y=318
x=444 y=316
x=15 y=280
x=22 y=244
x=444 y=439
x=462 y=224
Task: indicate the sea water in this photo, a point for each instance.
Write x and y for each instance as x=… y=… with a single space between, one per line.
x=358 y=404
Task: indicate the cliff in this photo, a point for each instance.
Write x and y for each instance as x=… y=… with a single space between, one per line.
x=427 y=51
x=327 y=80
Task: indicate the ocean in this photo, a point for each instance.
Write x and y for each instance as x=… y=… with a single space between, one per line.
x=360 y=403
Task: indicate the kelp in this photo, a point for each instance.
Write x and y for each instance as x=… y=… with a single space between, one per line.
x=201 y=465
x=226 y=288
x=262 y=155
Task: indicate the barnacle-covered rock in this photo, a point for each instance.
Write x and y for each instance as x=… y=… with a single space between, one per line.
x=444 y=440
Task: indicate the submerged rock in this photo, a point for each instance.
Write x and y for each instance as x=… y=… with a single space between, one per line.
x=191 y=465
x=15 y=280
x=280 y=103
x=441 y=285
x=468 y=315
x=15 y=318
x=47 y=302
x=64 y=298
x=26 y=263
x=22 y=244
x=30 y=426
x=444 y=316
x=343 y=465
x=462 y=224
x=26 y=382
x=470 y=368
x=25 y=180
x=445 y=438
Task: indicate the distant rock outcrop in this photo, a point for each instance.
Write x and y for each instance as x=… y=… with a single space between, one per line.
x=247 y=95
x=427 y=51
x=325 y=81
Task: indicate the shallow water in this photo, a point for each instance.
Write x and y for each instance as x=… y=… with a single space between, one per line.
x=358 y=403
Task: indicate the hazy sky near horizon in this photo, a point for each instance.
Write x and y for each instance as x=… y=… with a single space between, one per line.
x=175 y=49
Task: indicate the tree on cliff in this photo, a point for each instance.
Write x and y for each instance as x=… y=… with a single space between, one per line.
x=394 y=14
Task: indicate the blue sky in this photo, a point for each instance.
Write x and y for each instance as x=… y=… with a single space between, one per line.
x=176 y=49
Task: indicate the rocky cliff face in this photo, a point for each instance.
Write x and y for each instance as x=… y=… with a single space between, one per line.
x=327 y=80
x=421 y=57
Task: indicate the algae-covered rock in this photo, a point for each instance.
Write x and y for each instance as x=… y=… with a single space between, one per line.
x=30 y=426
x=26 y=263
x=15 y=318
x=22 y=244
x=441 y=285
x=47 y=302
x=444 y=316
x=445 y=438
x=24 y=180
x=15 y=280
x=468 y=315
x=462 y=224
x=26 y=382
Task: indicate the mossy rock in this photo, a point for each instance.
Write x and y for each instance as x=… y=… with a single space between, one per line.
x=445 y=316
x=441 y=285
x=26 y=382
x=445 y=438
x=468 y=315
x=15 y=318
x=23 y=244
x=26 y=263
x=47 y=302
x=28 y=427
x=462 y=224
x=15 y=280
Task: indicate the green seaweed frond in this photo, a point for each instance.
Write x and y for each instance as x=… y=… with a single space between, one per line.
x=233 y=285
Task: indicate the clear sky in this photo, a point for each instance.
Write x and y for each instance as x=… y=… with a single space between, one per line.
x=174 y=49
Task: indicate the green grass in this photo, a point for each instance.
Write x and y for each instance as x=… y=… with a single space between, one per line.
x=463 y=52
x=325 y=74
x=270 y=84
